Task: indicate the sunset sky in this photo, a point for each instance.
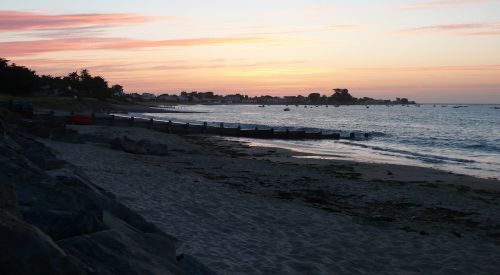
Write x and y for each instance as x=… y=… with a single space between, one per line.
x=430 y=51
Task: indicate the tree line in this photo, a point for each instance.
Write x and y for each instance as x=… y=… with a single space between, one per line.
x=19 y=80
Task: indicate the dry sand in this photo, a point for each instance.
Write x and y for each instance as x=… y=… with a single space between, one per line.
x=244 y=210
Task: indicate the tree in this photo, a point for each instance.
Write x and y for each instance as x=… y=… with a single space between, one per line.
x=117 y=89
x=21 y=80
x=17 y=79
x=342 y=96
x=314 y=97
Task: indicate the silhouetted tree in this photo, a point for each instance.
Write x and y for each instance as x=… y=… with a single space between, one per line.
x=342 y=96
x=314 y=97
x=17 y=80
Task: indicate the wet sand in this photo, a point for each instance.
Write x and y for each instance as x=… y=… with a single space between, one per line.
x=254 y=210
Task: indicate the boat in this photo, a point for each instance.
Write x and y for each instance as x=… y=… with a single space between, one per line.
x=367 y=107
x=262 y=106
x=286 y=109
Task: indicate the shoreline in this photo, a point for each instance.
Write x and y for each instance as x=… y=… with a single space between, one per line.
x=252 y=210
x=301 y=153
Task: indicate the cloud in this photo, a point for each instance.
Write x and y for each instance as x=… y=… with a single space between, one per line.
x=18 y=48
x=478 y=29
x=490 y=67
x=341 y=27
x=23 y=20
x=442 y=4
x=325 y=28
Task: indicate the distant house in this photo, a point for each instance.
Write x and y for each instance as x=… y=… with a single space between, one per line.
x=237 y=98
x=148 y=96
x=119 y=94
x=168 y=98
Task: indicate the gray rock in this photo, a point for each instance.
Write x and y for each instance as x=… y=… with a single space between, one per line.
x=59 y=224
x=142 y=147
x=115 y=252
x=84 y=192
x=24 y=249
x=8 y=199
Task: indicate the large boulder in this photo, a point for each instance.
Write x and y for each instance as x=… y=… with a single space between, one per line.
x=116 y=252
x=141 y=147
x=8 y=199
x=75 y=187
x=24 y=249
x=61 y=224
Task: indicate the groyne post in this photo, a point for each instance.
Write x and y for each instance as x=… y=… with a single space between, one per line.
x=151 y=121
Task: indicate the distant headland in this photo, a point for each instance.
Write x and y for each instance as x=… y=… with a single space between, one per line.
x=22 y=81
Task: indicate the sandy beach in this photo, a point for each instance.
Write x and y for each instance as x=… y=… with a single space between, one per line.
x=253 y=210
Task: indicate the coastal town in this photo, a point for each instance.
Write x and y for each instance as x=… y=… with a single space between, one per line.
x=337 y=97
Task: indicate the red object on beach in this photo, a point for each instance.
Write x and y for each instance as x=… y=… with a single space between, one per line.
x=80 y=119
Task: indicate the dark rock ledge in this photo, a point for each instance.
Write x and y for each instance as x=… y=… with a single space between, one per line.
x=65 y=224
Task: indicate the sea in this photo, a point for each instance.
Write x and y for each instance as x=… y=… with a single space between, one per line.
x=463 y=139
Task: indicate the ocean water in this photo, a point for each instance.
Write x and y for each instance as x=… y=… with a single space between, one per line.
x=464 y=140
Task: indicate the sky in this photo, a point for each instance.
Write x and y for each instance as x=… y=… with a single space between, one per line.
x=429 y=51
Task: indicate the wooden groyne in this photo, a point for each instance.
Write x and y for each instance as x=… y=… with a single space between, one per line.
x=190 y=129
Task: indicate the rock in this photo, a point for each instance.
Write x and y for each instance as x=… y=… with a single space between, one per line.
x=75 y=188
x=60 y=224
x=190 y=265
x=123 y=253
x=24 y=249
x=142 y=147
x=8 y=199
x=40 y=155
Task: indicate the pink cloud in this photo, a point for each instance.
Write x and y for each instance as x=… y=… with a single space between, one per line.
x=492 y=67
x=22 y=20
x=18 y=48
x=491 y=28
x=442 y=4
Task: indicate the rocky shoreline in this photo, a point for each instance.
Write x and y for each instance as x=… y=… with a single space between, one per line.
x=54 y=220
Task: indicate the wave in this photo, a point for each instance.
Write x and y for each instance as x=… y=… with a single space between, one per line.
x=429 y=158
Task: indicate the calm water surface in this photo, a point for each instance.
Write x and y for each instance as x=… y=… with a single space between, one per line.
x=464 y=140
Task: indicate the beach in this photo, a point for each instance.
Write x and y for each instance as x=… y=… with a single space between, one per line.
x=259 y=210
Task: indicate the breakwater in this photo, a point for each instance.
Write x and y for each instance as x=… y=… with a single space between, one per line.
x=189 y=128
